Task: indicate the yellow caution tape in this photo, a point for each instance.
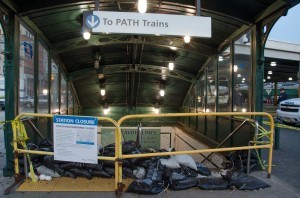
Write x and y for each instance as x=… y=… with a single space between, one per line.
x=20 y=130
x=284 y=126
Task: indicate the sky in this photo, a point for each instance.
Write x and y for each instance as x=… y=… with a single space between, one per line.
x=287 y=28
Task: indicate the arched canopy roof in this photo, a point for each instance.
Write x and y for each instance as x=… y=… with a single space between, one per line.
x=134 y=66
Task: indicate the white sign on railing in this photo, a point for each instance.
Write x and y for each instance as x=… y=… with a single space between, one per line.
x=147 y=23
x=75 y=138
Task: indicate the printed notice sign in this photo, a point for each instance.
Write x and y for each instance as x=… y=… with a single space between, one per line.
x=150 y=137
x=75 y=138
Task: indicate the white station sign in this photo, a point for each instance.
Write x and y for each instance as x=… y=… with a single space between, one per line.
x=146 y=23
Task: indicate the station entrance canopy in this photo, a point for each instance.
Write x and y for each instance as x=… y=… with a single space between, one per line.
x=133 y=67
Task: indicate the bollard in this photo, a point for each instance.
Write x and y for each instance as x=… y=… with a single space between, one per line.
x=277 y=137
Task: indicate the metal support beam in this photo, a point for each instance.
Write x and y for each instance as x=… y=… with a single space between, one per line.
x=10 y=91
x=198 y=7
x=132 y=98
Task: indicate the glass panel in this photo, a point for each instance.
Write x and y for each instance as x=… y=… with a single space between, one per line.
x=2 y=80
x=201 y=96
x=26 y=80
x=43 y=102
x=224 y=76
x=54 y=87
x=70 y=101
x=211 y=87
x=242 y=72
x=63 y=96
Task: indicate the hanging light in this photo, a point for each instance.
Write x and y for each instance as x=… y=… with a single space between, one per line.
x=264 y=80
x=173 y=48
x=270 y=72
x=45 y=92
x=221 y=58
x=273 y=64
x=269 y=77
x=187 y=39
x=235 y=68
x=171 y=65
x=290 y=78
x=142 y=6
x=162 y=92
x=102 y=92
x=86 y=35
x=239 y=75
x=105 y=110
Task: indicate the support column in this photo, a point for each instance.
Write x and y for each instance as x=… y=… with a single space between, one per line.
x=10 y=93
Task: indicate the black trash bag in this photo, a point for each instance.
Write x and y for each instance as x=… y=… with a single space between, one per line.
x=45 y=143
x=183 y=184
x=146 y=186
x=69 y=174
x=128 y=146
x=47 y=149
x=188 y=172
x=202 y=169
x=110 y=171
x=100 y=173
x=128 y=173
x=108 y=148
x=72 y=165
x=81 y=173
x=243 y=181
x=94 y=166
x=50 y=159
x=154 y=174
x=177 y=176
x=137 y=161
x=32 y=146
x=107 y=163
x=57 y=169
x=207 y=183
x=238 y=161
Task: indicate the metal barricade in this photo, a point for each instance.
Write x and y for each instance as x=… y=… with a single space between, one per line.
x=16 y=133
x=268 y=145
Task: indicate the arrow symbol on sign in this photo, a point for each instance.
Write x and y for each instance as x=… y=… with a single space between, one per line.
x=93 y=22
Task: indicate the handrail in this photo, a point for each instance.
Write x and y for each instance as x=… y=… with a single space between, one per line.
x=268 y=145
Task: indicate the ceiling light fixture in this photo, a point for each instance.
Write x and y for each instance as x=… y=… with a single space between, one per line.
x=162 y=92
x=269 y=77
x=102 y=92
x=173 y=48
x=187 y=39
x=270 y=72
x=290 y=78
x=86 y=35
x=105 y=109
x=142 y=6
x=235 y=68
x=264 y=80
x=273 y=64
x=171 y=65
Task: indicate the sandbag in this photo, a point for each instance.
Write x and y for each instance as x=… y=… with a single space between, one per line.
x=146 y=186
x=94 y=166
x=69 y=174
x=81 y=173
x=207 y=183
x=139 y=172
x=128 y=173
x=128 y=146
x=71 y=165
x=100 y=173
x=170 y=163
x=110 y=170
x=202 y=169
x=185 y=160
x=154 y=174
x=45 y=143
x=188 y=172
x=183 y=184
x=243 y=181
x=46 y=171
